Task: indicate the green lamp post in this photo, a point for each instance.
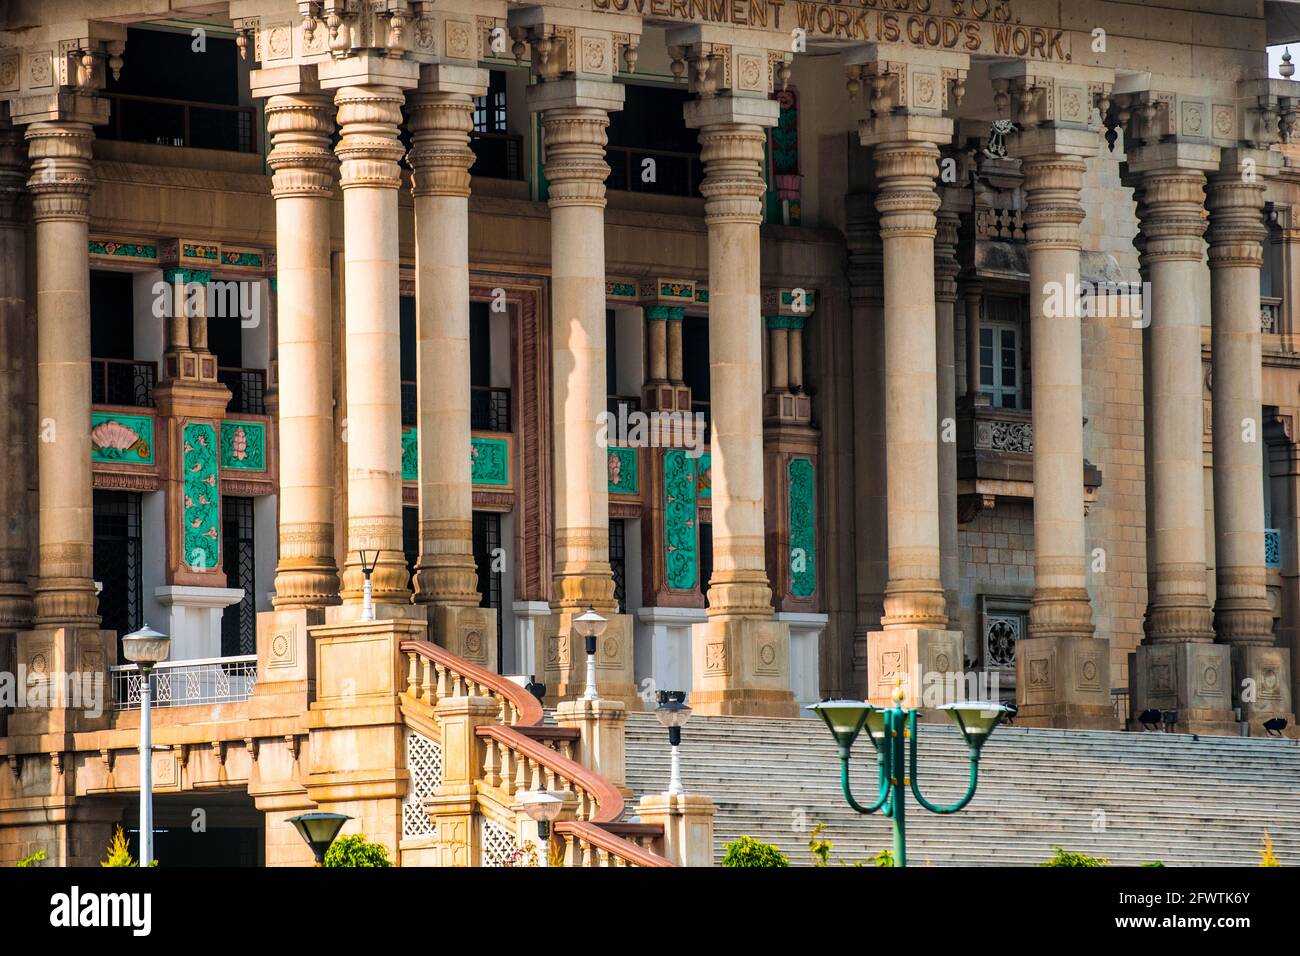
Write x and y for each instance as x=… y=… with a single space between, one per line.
x=890 y=730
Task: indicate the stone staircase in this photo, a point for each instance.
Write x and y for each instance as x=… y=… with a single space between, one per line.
x=1131 y=797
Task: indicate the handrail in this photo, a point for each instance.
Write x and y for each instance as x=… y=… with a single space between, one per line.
x=608 y=801
x=612 y=844
x=527 y=709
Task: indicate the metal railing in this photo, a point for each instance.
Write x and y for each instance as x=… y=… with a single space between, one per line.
x=1272 y=548
x=247 y=389
x=214 y=680
x=489 y=408
x=662 y=171
x=497 y=155
x=1119 y=702
x=122 y=382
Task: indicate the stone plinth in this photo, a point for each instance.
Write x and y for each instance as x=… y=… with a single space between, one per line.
x=1261 y=685
x=687 y=819
x=926 y=662
x=561 y=660
x=1064 y=682
x=1194 y=679
x=601 y=746
x=286 y=662
x=468 y=632
x=742 y=668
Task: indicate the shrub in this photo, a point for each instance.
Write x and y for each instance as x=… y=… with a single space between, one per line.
x=356 y=850
x=119 y=853
x=750 y=852
x=1063 y=857
x=1154 y=863
x=37 y=857
x=1266 y=855
x=819 y=846
x=884 y=858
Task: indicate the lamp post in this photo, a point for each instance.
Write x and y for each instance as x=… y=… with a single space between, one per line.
x=891 y=729
x=367 y=600
x=319 y=831
x=590 y=625
x=673 y=714
x=146 y=648
x=542 y=807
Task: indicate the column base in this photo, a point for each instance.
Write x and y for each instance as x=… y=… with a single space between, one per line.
x=1064 y=682
x=1261 y=685
x=468 y=632
x=742 y=668
x=561 y=658
x=63 y=680
x=925 y=662
x=286 y=665
x=1192 y=679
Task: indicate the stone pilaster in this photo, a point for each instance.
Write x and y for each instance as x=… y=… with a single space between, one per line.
x=60 y=186
x=303 y=184
x=741 y=654
x=946 y=270
x=15 y=593
x=446 y=579
x=369 y=153
x=1178 y=666
x=1243 y=617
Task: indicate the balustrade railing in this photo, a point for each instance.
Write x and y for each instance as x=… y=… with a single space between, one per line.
x=1272 y=548
x=214 y=680
x=122 y=382
x=1270 y=311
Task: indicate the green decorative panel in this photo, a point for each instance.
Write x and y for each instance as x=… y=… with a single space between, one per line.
x=410 y=455
x=202 y=507
x=702 y=295
x=676 y=290
x=803 y=527
x=198 y=251
x=682 y=564
x=249 y=260
x=622 y=290
x=490 y=461
x=623 y=478
x=704 y=476
x=124 y=439
x=243 y=446
x=128 y=250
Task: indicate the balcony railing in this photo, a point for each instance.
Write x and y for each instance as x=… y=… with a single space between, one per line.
x=1272 y=548
x=1270 y=311
x=122 y=382
x=247 y=389
x=668 y=173
x=168 y=122
x=215 y=680
x=497 y=155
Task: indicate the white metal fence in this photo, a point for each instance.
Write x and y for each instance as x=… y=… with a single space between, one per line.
x=215 y=680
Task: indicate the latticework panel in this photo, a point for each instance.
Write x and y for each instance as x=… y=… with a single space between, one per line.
x=424 y=763
x=499 y=845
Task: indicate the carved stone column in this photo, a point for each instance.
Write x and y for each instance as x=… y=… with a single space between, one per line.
x=741 y=654
x=1243 y=616
x=60 y=185
x=369 y=152
x=1178 y=666
x=1062 y=670
x=15 y=594
x=303 y=184
x=446 y=576
x=946 y=270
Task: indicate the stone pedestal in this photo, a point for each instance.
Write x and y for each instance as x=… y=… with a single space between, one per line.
x=926 y=662
x=687 y=819
x=65 y=677
x=194 y=619
x=1193 y=679
x=286 y=665
x=1064 y=681
x=1261 y=685
x=468 y=632
x=601 y=746
x=561 y=659
x=742 y=667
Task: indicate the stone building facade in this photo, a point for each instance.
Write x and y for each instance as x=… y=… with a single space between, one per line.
x=756 y=327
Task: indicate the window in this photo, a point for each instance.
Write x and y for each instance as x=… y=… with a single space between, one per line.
x=411 y=540
x=117 y=561
x=1000 y=352
x=695 y=364
x=239 y=620
x=651 y=149
x=487 y=548
x=490 y=108
x=497 y=152
x=618 y=561
x=706 y=557
x=115 y=377
x=1004 y=622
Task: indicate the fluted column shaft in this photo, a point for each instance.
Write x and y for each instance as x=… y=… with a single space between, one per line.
x=1053 y=184
x=1242 y=613
x=945 y=312
x=733 y=189
x=907 y=202
x=440 y=159
x=15 y=596
x=576 y=171
x=1173 y=229
x=60 y=185
x=369 y=153
x=303 y=184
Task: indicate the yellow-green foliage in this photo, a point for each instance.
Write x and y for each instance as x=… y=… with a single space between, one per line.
x=1266 y=855
x=119 y=854
x=37 y=857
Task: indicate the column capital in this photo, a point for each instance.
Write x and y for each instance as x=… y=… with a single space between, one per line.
x=716 y=59
x=302 y=162
x=946 y=266
x=13 y=168
x=440 y=156
x=574 y=43
x=1235 y=200
x=906 y=198
x=60 y=181
x=1053 y=184
x=905 y=84
x=368 y=148
x=1172 y=213
x=1052 y=97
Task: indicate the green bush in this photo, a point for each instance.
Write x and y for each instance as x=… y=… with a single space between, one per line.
x=884 y=858
x=1063 y=857
x=750 y=852
x=37 y=857
x=356 y=850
